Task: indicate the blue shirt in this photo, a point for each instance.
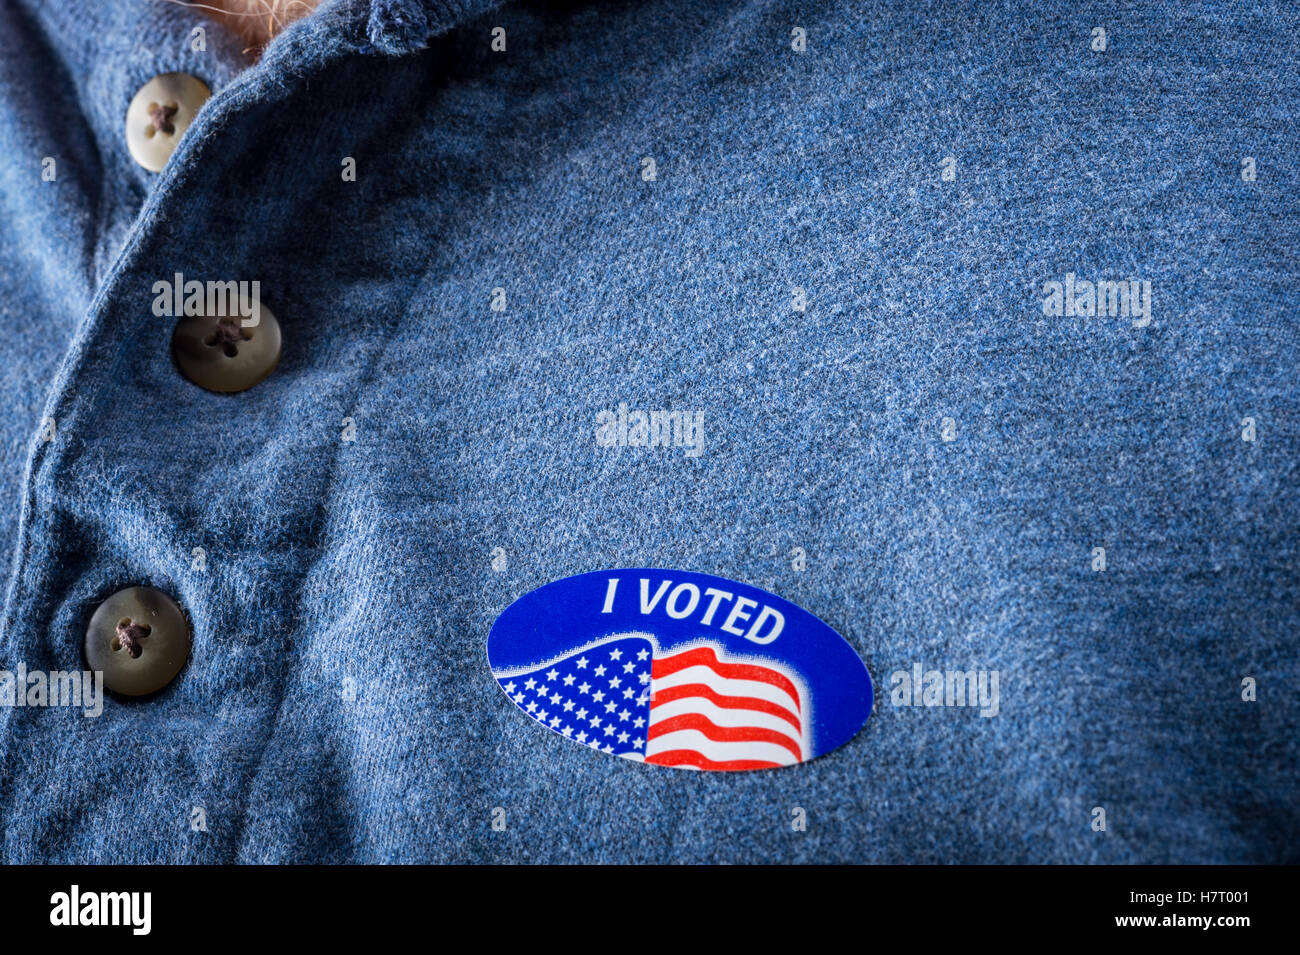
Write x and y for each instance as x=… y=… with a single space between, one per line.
x=863 y=243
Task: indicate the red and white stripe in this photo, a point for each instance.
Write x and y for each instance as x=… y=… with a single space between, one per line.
x=709 y=713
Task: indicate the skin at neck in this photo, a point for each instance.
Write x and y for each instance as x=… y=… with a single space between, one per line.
x=256 y=21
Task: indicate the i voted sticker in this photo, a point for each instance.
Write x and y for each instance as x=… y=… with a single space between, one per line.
x=679 y=669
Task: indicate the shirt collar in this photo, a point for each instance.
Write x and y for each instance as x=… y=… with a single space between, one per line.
x=394 y=27
x=110 y=49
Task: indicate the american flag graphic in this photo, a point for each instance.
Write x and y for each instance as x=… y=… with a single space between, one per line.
x=695 y=707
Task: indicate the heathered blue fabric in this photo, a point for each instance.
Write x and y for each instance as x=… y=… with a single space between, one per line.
x=335 y=564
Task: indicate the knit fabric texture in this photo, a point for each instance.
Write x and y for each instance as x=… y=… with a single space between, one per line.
x=832 y=230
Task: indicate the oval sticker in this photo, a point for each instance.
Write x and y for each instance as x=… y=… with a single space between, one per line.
x=679 y=669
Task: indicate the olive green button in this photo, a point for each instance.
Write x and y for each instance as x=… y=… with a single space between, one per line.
x=159 y=114
x=139 y=639
x=221 y=354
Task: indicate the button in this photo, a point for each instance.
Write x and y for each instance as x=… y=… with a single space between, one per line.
x=159 y=115
x=218 y=353
x=139 y=638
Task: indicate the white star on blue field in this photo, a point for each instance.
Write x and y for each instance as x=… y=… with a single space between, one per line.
x=599 y=697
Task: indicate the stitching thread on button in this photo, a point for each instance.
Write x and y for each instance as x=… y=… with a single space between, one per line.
x=228 y=334
x=129 y=634
x=160 y=119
